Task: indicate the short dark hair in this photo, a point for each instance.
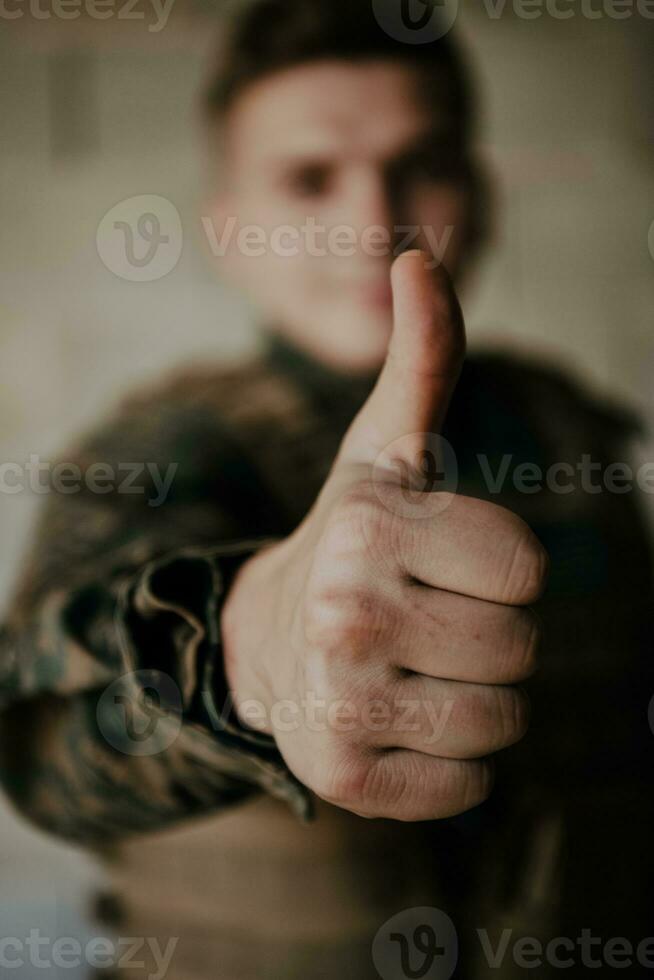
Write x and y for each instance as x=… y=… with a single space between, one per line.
x=266 y=36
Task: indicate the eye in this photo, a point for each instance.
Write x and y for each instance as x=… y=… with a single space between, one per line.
x=309 y=181
x=438 y=164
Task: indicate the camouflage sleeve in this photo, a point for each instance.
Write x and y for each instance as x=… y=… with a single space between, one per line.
x=115 y=715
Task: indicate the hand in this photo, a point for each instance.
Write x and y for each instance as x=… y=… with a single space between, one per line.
x=389 y=642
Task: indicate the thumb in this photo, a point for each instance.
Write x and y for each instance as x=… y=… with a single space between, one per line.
x=424 y=359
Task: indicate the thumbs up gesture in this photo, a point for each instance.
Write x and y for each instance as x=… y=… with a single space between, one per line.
x=380 y=647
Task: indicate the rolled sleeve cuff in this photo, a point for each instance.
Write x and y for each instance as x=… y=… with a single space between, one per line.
x=169 y=622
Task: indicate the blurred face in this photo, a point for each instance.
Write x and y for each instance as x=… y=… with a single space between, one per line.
x=331 y=169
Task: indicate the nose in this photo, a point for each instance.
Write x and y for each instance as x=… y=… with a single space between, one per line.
x=371 y=202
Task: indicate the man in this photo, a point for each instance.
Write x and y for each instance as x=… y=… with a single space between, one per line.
x=313 y=628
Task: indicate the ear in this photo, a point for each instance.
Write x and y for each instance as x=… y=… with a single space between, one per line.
x=478 y=220
x=481 y=208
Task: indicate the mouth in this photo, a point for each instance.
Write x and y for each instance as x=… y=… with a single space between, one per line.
x=375 y=294
x=369 y=286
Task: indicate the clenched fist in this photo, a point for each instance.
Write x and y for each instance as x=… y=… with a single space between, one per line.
x=395 y=637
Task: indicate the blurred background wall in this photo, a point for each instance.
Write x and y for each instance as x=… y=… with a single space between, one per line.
x=92 y=113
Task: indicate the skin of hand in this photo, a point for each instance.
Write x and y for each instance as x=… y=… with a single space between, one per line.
x=405 y=634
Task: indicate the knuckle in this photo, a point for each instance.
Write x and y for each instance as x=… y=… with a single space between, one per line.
x=328 y=616
x=477 y=782
x=345 y=778
x=517 y=643
x=387 y=786
x=358 y=521
x=493 y=718
x=527 y=566
x=404 y=787
x=373 y=784
x=513 y=712
x=462 y=784
x=473 y=713
x=525 y=645
x=343 y=621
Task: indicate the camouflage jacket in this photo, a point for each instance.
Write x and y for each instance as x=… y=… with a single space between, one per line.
x=115 y=712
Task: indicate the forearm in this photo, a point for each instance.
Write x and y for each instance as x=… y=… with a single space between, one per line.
x=117 y=715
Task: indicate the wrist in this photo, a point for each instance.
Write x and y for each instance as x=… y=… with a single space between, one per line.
x=246 y=640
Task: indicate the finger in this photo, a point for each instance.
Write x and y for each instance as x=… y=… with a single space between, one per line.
x=457 y=638
x=472 y=547
x=453 y=720
x=422 y=366
x=405 y=785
